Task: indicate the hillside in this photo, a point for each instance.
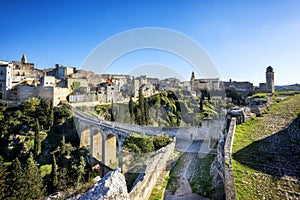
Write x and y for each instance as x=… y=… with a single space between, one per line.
x=266 y=151
x=295 y=87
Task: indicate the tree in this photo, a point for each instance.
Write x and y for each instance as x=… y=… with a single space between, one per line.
x=79 y=170
x=63 y=179
x=61 y=114
x=146 y=104
x=75 y=85
x=178 y=118
x=63 y=145
x=51 y=116
x=131 y=109
x=208 y=96
x=30 y=108
x=3 y=179
x=17 y=181
x=161 y=140
x=112 y=118
x=139 y=143
x=201 y=104
x=53 y=175
x=34 y=180
x=141 y=106
x=37 y=139
x=157 y=106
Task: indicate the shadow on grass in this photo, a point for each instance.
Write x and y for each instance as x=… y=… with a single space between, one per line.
x=277 y=155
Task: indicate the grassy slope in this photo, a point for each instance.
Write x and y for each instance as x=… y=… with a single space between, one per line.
x=251 y=138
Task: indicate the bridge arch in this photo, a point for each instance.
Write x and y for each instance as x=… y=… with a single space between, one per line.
x=111 y=150
x=85 y=136
x=96 y=139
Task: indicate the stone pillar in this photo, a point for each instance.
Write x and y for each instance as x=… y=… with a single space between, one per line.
x=91 y=146
x=120 y=157
x=103 y=149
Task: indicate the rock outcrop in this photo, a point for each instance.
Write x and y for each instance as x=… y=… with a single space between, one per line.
x=111 y=186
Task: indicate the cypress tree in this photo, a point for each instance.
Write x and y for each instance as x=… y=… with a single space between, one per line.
x=54 y=179
x=81 y=169
x=112 y=118
x=131 y=112
x=51 y=115
x=141 y=106
x=34 y=180
x=146 y=112
x=178 y=118
x=37 y=139
x=3 y=180
x=201 y=105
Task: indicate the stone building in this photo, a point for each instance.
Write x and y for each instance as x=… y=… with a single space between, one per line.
x=5 y=79
x=268 y=86
x=244 y=88
x=25 y=72
x=205 y=83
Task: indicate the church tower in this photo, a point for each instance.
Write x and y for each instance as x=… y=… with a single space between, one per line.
x=24 y=59
x=193 y=76
x=270 y=80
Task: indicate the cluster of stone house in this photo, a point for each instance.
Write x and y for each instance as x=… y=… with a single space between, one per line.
x=20 y=80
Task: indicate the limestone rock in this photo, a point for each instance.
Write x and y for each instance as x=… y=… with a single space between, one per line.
x=111 y=186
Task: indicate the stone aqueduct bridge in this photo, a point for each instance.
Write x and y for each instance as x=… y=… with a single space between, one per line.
x=104 y=139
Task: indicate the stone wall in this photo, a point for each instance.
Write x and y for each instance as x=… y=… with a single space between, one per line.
x=221 y=168
x=228 y=172
x=151 y=171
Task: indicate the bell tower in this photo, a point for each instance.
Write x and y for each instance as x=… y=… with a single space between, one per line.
x=270 y=80
x=24 y=59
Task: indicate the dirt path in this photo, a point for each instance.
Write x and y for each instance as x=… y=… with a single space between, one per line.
x=184 y=192
x=184 y=185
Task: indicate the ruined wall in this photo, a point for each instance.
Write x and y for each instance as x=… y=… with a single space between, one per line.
x=147 y=179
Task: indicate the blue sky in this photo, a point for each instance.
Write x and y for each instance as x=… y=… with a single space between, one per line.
x=241 y=37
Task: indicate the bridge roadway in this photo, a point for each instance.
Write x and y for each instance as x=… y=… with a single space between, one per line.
x=124 y=127
x=189 y=138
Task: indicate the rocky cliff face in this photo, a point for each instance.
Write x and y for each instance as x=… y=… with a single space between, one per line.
x=111 y=186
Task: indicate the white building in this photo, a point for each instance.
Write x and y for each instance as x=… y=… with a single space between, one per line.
x=5 y=79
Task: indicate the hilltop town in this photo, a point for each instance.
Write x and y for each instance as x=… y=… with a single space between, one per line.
x=21 y=80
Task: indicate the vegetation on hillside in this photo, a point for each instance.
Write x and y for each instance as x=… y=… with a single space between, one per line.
x=164 y=109
x=266 y=153
x=141 y=143
x=39 y=151
x=140 y=147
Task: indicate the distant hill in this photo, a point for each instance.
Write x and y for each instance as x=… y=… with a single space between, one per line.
x=295 y=87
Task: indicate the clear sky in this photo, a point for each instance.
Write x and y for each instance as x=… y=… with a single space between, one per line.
x=241 y=37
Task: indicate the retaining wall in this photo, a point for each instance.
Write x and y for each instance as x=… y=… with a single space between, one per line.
x=221 y=168
x=151 y=171
x=228 y=172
